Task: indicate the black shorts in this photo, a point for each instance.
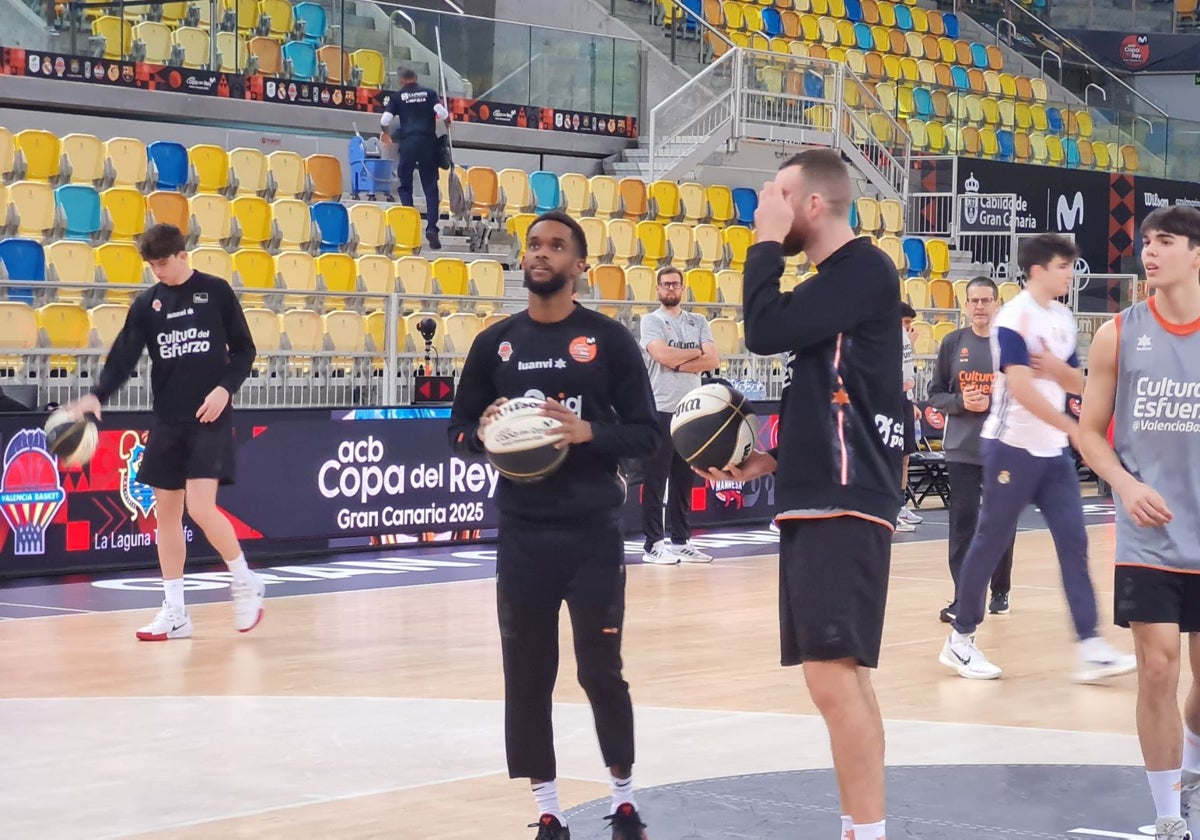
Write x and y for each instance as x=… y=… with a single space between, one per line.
x=833 y=583
x=177 y=451
x=910 y=428
x=1156 y=596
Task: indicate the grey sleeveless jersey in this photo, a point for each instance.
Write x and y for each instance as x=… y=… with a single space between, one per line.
x=1156 y=433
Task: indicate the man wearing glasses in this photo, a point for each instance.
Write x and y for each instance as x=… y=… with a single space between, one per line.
x=679 y=346
x=961 y=390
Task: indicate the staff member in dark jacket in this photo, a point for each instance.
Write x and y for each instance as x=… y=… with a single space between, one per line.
x=415 y=111
x=841 y=441
x=961 y=389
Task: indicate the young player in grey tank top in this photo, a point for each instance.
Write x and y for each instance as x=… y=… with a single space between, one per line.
x=1144 y=378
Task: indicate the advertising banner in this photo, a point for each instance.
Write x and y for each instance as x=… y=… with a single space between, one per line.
x=307 y=480
x=1158 y=52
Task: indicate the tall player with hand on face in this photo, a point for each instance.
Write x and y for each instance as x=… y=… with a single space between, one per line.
x=561 y=538
x=839 y=456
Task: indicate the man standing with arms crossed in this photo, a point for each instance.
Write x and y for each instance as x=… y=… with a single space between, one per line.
x=680 y=347
x=1144 y=378
x=838 y=461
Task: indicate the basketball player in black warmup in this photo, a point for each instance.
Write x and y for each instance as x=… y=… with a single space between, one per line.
x=200 y=353
x=841 y=441
x=561 y=538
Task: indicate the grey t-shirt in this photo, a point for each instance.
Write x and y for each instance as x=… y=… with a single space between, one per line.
x=686 y=331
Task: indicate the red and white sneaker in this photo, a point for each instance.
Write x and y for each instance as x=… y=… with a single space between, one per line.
x=248 y=604
x=170 y=623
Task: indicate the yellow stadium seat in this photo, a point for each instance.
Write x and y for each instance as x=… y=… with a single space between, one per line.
x=518 y=197
x=68 y=261
x=234 y=52
x=370 y=225
x=325 y=173
x=378 y=275
x=266 y=331
x=287 y=168
x=414 y=276
x=211 y=219
x=608 y=282
x=117 y=35
x=606 y=199
x=623 y=239
x=18 y=331
x=701 y=285
x=125 y=162
x=279 y=13
x=452 y=277
x=652 y=241
x=938 y=251
x=711 y=246
x=916 y=291
x=371 y=64
x=1008 y=290
x=720 y=202
x=518 y=228
x=295 y=223
x=407 y=229
x=667 y=203
x=683 y=244
x=695 y=203
x=1039 y=150
x=155 y=38
x=42 y=151
x=169 y=207
x=212 y=260
x=125 y=211
x=1054 y=149
x=729 y=287
x=212 y=168
x=84 y=154
x=346 y=331
x=65 y=326
x=8 y=156
x=869 y=219
x=576 y=194
x=376 y=325
x=296 y=272
x=726 y=336
x=1129 y=158
x=255 y=269
x=254 y=221
x=121 y=268
x=33 y=202
x=641 y=285
x=461 y=329
x=305 y=333
x=595 y=230
x=892 y=246
x=338 y=273
x=106 y=321
x=737 y=241
x=486 y=280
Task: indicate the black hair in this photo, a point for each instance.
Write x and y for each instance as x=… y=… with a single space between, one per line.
x=984 y=281
x=1179 y=220
x=577 y=234
x=160 y=242
x=907 y=311
x=1042 y=249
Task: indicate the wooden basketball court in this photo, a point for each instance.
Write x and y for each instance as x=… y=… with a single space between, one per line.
x=269 y=732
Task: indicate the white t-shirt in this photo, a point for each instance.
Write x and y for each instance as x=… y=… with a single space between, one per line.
x=1021 y=328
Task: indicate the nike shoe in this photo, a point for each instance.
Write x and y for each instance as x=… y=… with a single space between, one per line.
x=626 y=823
x=549 y=828
x=248 y=604
x=660 y=555
x=1098 y=661
x=1171 y=828
x=688 y=553
x=170 y=623
x=910 y=516
x=903 y=527
x=963 y=656
x=1189 y=801
x=999 y=603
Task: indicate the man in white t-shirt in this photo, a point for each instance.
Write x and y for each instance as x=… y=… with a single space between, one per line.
x=1026 y=461
x=679 y=346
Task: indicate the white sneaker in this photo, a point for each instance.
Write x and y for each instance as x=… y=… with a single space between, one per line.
x=170 y=623
x=910 y=516
x=1171 y=828
x=248 y=604
x=1189 y=801
x=659 y=555
x=688 y=553
x=963 y=656
x=903 y=527
x=1098 y=660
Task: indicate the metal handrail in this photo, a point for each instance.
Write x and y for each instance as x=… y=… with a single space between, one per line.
x=1056 y=57
x=678 y=4
x=1091 y=61
x=1012 y=29
x=388 y=7
x=1087 y=89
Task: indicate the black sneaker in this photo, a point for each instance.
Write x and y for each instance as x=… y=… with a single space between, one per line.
x=549 y=828
x=999 y=603
x=626 y=824
x=948 y=613
x=435 y=242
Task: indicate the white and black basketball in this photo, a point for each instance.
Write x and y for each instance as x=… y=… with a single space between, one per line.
x=517 y=442
x=714 y=426
x=72 y=441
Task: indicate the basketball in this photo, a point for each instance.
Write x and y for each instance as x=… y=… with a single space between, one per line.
x=714 y=426
x=73 y=442
x=517 y=444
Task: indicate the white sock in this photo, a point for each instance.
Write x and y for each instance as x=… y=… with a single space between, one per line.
x=173 y=592
x=622 y=792
x=871 y=831
x=1191 y=750
x=546 y=794
x=1164 y=787
x=847 y=827
x=240 y=571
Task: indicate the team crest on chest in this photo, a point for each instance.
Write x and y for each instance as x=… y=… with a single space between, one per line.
x=504 y=351
x=583 y=349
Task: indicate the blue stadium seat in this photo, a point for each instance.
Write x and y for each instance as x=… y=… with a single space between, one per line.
x=81 y=206
x=814 y=85
x=914 y=255
x=546 y=191
x=23 y=259
x=1054 y=120
x=958 y=75
x=1071 y=152
x=696 y=7
x=863 y=37
x=854 y=12
x=772 y=22
x=170 y=160
x=1004 y=138
x=334 y=221
x=950 y=21
x=923 y=102
x=302 y=57
x=904 y=18
x=979 y=56
x=854 y=216
x=316 y=25
x=745 y=202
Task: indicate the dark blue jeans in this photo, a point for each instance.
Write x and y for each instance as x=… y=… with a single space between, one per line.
x=1012 y=479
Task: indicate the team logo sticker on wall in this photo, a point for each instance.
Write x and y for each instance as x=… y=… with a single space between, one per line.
x=30 y=490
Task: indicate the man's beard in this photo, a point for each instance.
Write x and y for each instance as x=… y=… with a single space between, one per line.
x=670 y=300
x=793 y=243
x=546 y=288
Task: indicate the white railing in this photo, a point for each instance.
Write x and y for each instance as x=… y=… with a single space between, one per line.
x=693 y=115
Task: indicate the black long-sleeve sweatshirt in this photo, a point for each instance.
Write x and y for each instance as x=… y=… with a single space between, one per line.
x=590 y=363
x=841 y=435
x=197 y=337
